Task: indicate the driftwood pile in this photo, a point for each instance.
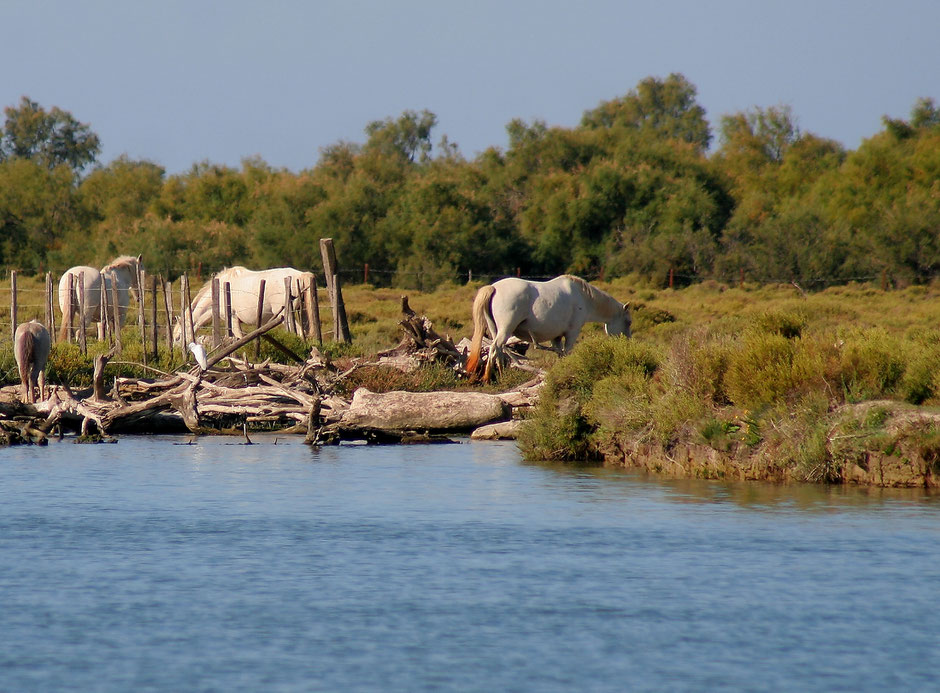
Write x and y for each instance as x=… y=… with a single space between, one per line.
x=234 y=395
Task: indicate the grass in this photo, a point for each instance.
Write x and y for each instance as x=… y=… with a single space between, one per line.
x=765 y=371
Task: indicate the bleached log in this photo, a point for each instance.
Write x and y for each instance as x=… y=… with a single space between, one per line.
x=504 y=430
x=421 y=411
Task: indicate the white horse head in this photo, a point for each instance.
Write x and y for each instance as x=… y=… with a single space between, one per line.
x=620 y=323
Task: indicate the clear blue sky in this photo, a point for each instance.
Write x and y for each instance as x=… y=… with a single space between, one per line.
x=183 y=81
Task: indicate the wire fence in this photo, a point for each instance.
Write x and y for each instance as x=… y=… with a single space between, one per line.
x=33 y=295
x=152 y=317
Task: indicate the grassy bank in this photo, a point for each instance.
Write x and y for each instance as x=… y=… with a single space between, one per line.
x=768 y=383
x=745 y=382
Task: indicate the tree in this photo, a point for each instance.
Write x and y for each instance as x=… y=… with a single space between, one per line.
x=663 y=108
x=408 y=137
x=49 y=138
x=762 y=133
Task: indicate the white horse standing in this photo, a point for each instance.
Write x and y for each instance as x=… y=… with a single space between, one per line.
x=245 y=286
x=122 y=272
x=91 y=278
x=31 y=344
x=549 y=311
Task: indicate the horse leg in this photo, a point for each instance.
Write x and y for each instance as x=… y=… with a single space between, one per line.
x=495 y=354
x=571 y=336
x=42 y=385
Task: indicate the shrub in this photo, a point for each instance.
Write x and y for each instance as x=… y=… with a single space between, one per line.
x=601 y=386
x=871 y=365
x=599 y=357
x=789 y=325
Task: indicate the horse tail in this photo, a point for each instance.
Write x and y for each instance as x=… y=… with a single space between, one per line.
x=23 y=352
x=481 y=307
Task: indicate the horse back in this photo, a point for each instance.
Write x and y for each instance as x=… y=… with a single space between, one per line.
x=544 y=310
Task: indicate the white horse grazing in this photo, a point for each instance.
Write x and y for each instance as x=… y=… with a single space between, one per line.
x=541 y=312
x=245 y=286
x=122 y=271
x=31 y=345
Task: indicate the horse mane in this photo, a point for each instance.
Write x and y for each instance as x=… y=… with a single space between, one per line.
x=595 y=294
x=120 y=261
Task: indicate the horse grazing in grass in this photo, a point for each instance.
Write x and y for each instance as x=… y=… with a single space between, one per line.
x=31 y=343
x=245 y=287
x=552 y=311
x=121 y=272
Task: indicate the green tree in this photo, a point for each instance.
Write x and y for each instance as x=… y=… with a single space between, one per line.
x=37 y=209
x=408 y=137
x=662 y=108
x=49 y=138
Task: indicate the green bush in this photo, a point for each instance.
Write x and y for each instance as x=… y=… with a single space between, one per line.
x=872 y=364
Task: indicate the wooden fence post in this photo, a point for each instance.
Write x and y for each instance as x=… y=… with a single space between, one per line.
x=228 y=309
x=168 y=309
x=153 y=316
x=258 y=321
x=141 y=308
x=313 y=311
x=70 y=302
x=216 y=320
x=288 y=304
x=188 y=313
x=331 y=271
x=13 y=306
x=104 y=326
x=82 y=298
x=186 y=334
x=339 y=333
x=50 y=316
x=116 y=316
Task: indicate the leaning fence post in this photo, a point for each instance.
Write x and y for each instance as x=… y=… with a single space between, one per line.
x=288 y=305
x=188 y=315
x=216 y=322
x=141 y=323
x=185 y=334
x=13 y=306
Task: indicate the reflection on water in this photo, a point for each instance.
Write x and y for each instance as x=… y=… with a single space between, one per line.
x=157 y=565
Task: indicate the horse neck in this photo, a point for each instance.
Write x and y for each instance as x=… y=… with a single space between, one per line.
x=125 y=275
x=600 y=306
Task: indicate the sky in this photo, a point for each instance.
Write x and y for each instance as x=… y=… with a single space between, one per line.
x=180 y=82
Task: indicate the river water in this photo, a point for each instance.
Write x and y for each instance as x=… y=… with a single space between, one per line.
x=156 y=565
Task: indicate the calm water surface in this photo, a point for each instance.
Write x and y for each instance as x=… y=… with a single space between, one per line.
x=150 y=565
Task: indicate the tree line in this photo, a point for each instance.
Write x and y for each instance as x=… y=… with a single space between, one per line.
x=641 y=186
